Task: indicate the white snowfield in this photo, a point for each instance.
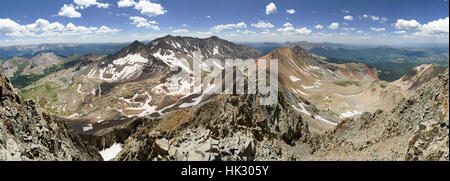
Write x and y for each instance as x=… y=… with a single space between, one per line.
x=110 y=153
x=171 y=60
x=133 y=64
x=174 y=85
x=146 y=108
x=294 y=78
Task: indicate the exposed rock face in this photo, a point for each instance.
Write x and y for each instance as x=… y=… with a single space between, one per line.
x=416 y=129
x=26 y=134
x=227 y=127
x=418 y=76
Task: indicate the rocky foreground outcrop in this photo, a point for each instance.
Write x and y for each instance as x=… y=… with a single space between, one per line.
x=416 y=129
x=227 y=128
x=26 y=134
x=234 y=127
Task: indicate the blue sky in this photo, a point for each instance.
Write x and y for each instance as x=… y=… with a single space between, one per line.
x=341 y=21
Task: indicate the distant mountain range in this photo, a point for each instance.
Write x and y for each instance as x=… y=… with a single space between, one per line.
x=60 y=49
x=392 y=63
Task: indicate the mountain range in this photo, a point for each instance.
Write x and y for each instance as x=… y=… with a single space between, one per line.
x=141 y=103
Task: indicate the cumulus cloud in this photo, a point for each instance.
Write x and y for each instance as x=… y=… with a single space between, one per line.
x=263 y=25
x=105 y=29
x=266 y=32
x=43 y=28
x=81 y=4
x=405 y=24
x=290 y=11
x=318 y=27
x=126 y=3
x=222 y=27
x=288 y=28
x=142 y=22
x=348 y=18
x=303 y=31
x=180 y=31
x=345 y=11
x=248 y=32
x=8 y=26
x=271 y=9
x=377 y=29
x=379 y=19
x=333 y=26
x=437 y=28
x=400 y=32
x=146 y=7
x=348 y=29
x=69 y=11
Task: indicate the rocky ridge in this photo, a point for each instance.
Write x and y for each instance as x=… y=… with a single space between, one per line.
x=27 y=134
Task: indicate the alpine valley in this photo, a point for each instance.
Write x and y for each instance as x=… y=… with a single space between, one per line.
x=141 y=103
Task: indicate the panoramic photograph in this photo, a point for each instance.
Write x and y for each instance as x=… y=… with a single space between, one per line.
x=224 y=80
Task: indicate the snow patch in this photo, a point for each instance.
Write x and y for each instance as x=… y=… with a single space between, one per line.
x=88 y=128
x=171 y=60
x=110 y=153
x=349 y=114
x=302 y=110
x=294 y=78
x=324 y=120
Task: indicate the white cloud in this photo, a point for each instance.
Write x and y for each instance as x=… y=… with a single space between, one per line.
x=365 y=16
x=333 y=26
x=405 y=24
x=303 y=31
x=221 y=27
x=377 y=29
x=288 y=28
x=266 y=32
x=360 y=31
x=126 y=3
x=248 y=32
x=43 y=28
x=105 y=29
x=318 y=27
x=146 y=7
x=81 y=4
x=379 y=19
x=69 y=11
x=8 y=26
x=374 y=18
x=271 y=9
x=348 y=18
x=345 y=11
x=348 y=29
x=400 y=32
x=290 y=11
x=180 y=31
x=209 y=17
x=437 y=28
x=263 y=25
x=142 y=22
x=287 y=24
